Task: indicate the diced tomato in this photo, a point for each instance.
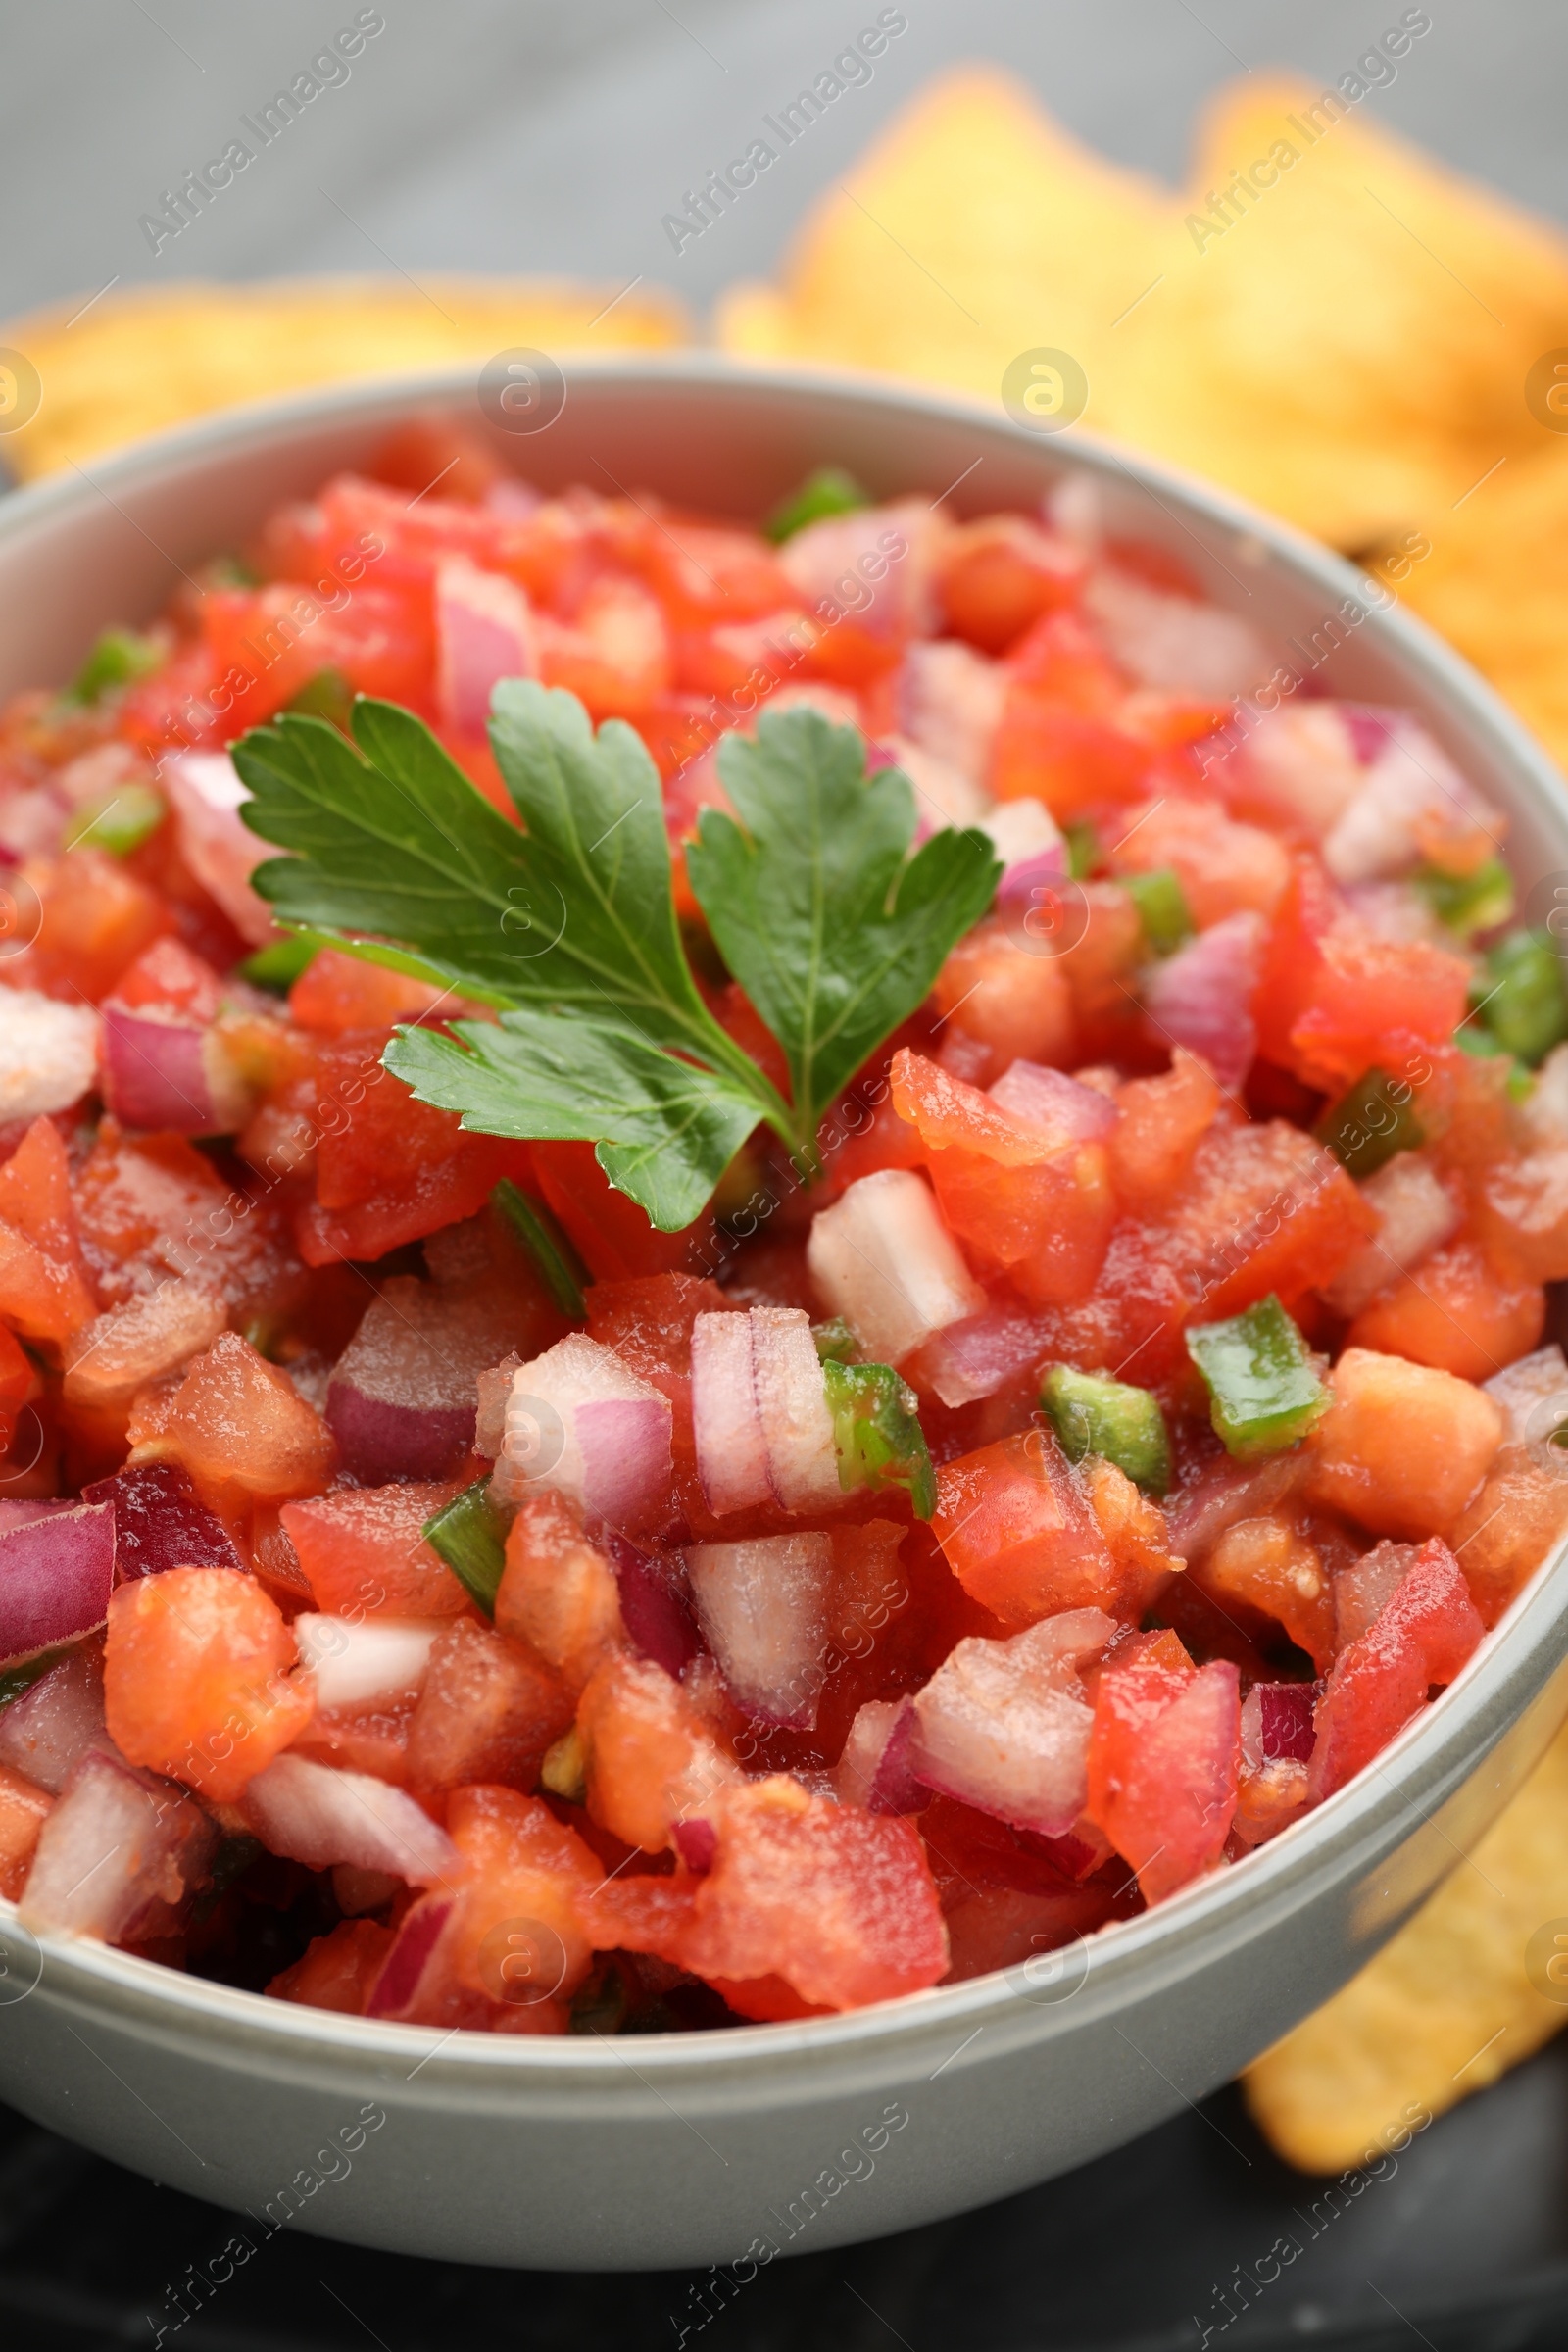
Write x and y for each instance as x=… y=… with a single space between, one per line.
x=1162 y=1121
x=708 y=576
x=1457 y=1313
x=488 y=1709
x=1421 y=1638
x=336 y=993
x=1522 y=1213
x=371 y=1740
x=429 y=452
x=1019 y=1535
x=557 y=1593
x=1001 y=576
x=168 y=973
x=362 y=1550
x=196 y=1679
x=1163 y=1758
x=1266 y=1565
x=1517 y=1514
x=95 y=919
x=240 y=1428
x=1367 y=996
x=651 y=1760
x=527 y=1874
x=337 y=1970
x=647 y=1321
x=616 y=656
x=1223 y=867
x=268 y=643
x=837 y=1902
x=1039 y=1209
x=1293 y=959
x=1403 y=1446
x=24 y=1809
x=1010 y=993
x=1265 y=1209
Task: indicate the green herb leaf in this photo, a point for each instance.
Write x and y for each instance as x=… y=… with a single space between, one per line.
x=827 y=491
x=665 y=1129
x=118 y=657
x=834 y=932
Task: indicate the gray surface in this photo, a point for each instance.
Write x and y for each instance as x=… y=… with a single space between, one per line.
x=507 y=134
x=568 y=2153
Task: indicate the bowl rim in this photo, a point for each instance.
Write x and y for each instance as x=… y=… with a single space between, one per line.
x=1407 y=1782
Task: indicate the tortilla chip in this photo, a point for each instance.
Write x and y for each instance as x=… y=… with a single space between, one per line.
x=972 y=230
x=140 y=362
x=1446 y=2007
x=1340 y=344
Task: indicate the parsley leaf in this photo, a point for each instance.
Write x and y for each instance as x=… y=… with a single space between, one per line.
x=568 y=925
x=665 y=1130
x=833 y=936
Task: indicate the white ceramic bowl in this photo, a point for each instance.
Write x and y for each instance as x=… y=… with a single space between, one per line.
x=677 y=2149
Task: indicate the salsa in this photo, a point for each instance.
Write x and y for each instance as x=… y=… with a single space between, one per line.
x=846 y=1270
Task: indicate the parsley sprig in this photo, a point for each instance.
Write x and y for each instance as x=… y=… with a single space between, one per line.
x=569 y=926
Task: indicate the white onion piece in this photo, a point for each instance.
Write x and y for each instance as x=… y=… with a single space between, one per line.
x=726 y=1418
x=820 y=559
x=950 y=703
x=484 y=632
x=1545 y=1111
x=1302 y=760
x=118 y=1854
x=220 y=851
x=121 y=1350
x=1533 y=1394
x=166 y=1072
x=578 y=1420
x=1202 y=996
x=1029 y=842
x=319 y=1816
x=48 y=1053
x=1375 y=837
x=55 y=1574
x=1055 y=1103
x=1004 y=1726
x=1174 y=642
x=873 y=1772
x=1416 y=1214
x=882 y=1259
x=797 y=1427
x=763 y=1607
x=353 y=1664
x=46 y=1732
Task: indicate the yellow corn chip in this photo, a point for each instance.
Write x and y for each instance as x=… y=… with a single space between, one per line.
x=140 y=361
x=1446 y=2007
x=973 y=231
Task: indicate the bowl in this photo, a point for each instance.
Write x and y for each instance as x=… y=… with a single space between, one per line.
x=743 y=2146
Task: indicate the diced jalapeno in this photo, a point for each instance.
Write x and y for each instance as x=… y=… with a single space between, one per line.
x=280 y=962
x=1262 y=1389
x=1162 y=904
x=1095 y=1414
x=119 y=656
x=1468 y=902
x=1370 y=1122
x=836 y=1343
x=556 y=1260
x=467 y=1535
x=827 y=491
x=1520 y=995
x=1083 y=850
x=118 y=820
x=328 y=695
x=877 y=1431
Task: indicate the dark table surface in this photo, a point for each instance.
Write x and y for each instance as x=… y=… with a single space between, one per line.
x=1460 y=2243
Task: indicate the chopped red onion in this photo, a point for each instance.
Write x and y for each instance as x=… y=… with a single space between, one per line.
x=654 y=1608
x=882 y=1259
x=45 y=1733
x=164 y=1071
x=1202 y=996
x=484 y=633
x=1534 y=1396
x=221 y=849
x=1004 y=1726
x=119 y=1854
x=55 y=1575
x=1054 y=1103
x=726 y=1415
x=353 y=1664
x=697 y=1842
x=404 y=1393
x=579 y=1420
x=978 y=1356
x=1377 y=835
x=886 y=591
x=1228 y=1492
x=949 y=701
x=762 y=1608
x=413 y=1950
x=159 y=1522
x=1277 y=1722
x=874 y=1770
x=1416 y=1214
x=316 y=1815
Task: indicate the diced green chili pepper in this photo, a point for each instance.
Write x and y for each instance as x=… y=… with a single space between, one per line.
x=1162 y=904
x=328 y=695
x=565 y=1276
x=118 y=820
x=1083 y=850
x=1262 y=1389
x=836 y=1343
x=827 y=491
x=279 y=965
x=470 y=1538
x=1095 y=1414
x=1370 y=1122
x=1468 y=902
x=877 y=1431
x=117 y=657
x=1520 y=997
x=17 y=1679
